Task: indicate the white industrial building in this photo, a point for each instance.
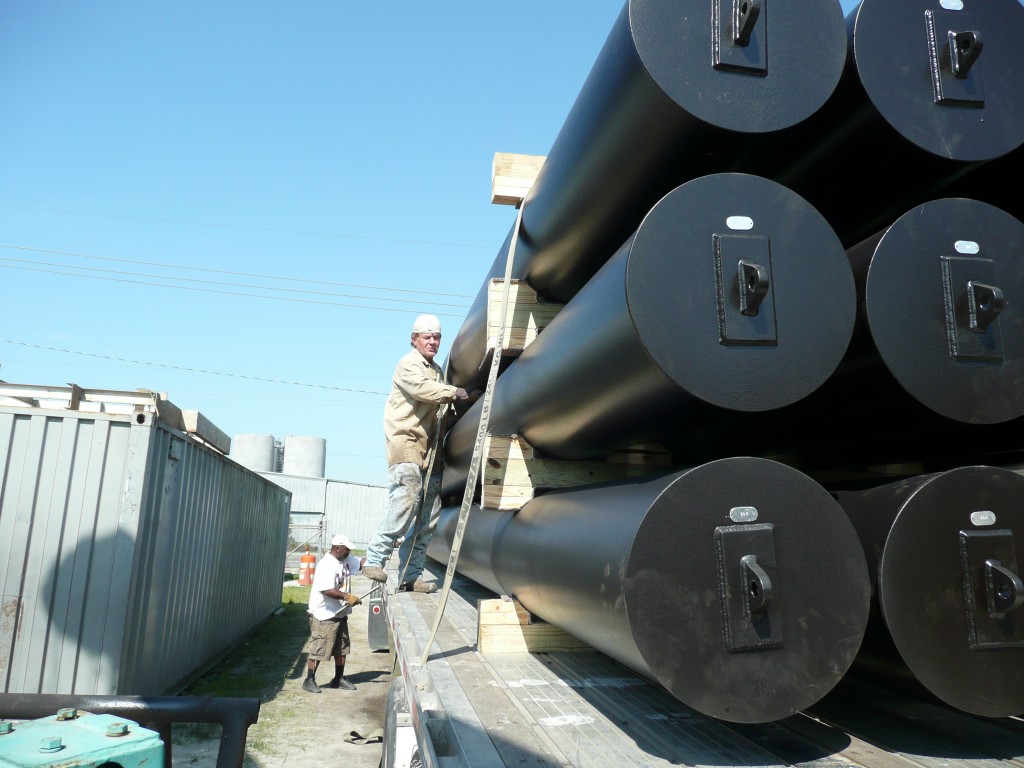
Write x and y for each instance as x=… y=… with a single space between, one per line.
x=320 y=507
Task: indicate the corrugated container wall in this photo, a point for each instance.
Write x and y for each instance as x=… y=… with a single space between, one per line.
x=124 y=546
x=349 y=508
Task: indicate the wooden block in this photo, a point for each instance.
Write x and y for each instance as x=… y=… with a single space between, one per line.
x=525 y=316
x=168 y=413
x=512 y=473
x=190 y=422
x=200 y=426
x=504 y=626
x=74 y=397
x=512 y=175
x=8 y=398
x=650 y=456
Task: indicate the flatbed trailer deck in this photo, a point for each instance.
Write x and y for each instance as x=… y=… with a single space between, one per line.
x=504 y=710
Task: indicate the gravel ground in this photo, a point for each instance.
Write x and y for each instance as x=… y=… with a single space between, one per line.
x=296 y=728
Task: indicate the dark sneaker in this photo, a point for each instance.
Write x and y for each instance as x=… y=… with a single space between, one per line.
x=418 y=586
x=309 y=686
x=343 y=684
x=375 y=574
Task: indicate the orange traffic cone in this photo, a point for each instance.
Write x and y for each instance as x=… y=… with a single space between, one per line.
x=307 y=564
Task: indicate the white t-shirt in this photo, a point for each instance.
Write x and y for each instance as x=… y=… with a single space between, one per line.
x=331 y=574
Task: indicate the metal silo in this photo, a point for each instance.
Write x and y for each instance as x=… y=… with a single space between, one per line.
x=255 y=452
x=305 y=456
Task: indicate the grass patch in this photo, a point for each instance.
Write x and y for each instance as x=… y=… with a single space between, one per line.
x=296 y=595
x=269 y=665
x=258 y=667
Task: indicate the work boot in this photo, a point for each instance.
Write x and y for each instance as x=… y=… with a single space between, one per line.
x=343 y=684
x=309 y=685
x=375 y=574
x=418 y=586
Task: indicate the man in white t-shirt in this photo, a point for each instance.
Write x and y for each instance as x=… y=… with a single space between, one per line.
x=330 y=603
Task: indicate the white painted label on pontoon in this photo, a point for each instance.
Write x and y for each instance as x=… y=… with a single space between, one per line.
x=952 y=5
x=543 y=699
x=527 y=683
x=739 y=222
x=983 y=517
x=565 y=720
x=966 y=246
x=743 y=514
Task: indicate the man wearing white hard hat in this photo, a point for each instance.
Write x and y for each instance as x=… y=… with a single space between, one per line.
x=411 y=420
x=330 y=602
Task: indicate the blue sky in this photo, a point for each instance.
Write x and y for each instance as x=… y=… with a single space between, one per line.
x=245 y=204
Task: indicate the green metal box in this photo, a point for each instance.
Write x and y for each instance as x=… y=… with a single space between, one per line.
x=79 y=739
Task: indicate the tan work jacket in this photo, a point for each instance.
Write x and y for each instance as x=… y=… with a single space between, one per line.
x=410 y=416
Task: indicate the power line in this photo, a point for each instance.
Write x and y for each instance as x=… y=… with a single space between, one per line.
x=191 y=370
x=223 y=293
x=216 y=282
x=242 y=227
x=318 y=281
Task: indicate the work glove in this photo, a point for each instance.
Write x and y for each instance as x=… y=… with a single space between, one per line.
x=352 y=599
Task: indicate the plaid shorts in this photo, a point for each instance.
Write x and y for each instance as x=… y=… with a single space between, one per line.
x=328 y=639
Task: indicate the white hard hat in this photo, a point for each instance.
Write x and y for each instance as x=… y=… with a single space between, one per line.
x=426 y=324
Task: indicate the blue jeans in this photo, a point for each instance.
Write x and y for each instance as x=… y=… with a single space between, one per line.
x=409 y=512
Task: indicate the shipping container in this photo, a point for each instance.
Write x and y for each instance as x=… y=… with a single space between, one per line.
x=134 y=554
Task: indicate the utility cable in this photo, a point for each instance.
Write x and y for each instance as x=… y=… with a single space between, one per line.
x=418 y=302
x=244 y=227
x=318 y=281
x=225 y=293
x=192 y=370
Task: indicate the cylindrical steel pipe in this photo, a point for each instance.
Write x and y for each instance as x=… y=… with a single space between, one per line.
x=479 y=539
x=936 y=360
x=944 y=300
x=679 y=90
x=946 y=556
x=930 y=90
x=739 y=585
x=733 y=294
